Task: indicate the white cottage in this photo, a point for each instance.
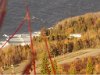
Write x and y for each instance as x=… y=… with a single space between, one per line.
x=75 y=35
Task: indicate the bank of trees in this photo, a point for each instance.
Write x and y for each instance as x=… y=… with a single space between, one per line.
x=59 y=42
x=87 y=65
x=87 y=25
x=13 y=55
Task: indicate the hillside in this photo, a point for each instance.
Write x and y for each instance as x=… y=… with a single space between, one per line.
x=63 y=59
x=65 y=41
x=72 y=34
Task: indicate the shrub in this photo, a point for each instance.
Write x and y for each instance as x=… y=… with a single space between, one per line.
x=54 y=50
x=78 y=45
x=70 y=47
x=66 y=67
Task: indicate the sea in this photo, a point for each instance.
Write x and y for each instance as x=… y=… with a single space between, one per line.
x=48 y=13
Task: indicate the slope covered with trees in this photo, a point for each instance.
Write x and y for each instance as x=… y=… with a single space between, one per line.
x=59 y=42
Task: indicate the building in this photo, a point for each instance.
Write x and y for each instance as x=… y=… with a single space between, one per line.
x=75 y=36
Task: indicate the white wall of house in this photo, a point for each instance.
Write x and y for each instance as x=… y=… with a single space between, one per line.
x=75 y=35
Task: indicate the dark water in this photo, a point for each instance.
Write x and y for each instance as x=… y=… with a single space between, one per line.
x=49 y=11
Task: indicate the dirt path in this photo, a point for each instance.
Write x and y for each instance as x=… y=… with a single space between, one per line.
x=69 y=57
x=79 y=54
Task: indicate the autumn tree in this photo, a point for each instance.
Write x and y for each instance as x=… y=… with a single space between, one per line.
x=45 y=67
x=72 y=69
x=89 y=67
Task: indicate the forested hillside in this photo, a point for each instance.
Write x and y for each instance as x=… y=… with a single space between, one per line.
x=58 y=39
